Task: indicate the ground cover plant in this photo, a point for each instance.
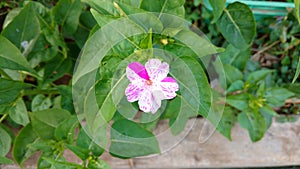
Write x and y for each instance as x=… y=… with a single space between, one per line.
x=68 y=72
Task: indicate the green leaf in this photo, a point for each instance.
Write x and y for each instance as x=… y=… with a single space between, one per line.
x=235 y=57
x=66 y=98
x=218 y=7
x=227 y=122
x=232 y=74
x=98 y=164
x=199 y=76
x=237 y=25
x=10 y=90
x=10 y=16
x=105 y=7
x=67 y=13
x=257 y=76
x=268 y=110
x=239 y=101
x=129 y=140
x=54 y=163
x=65 y=130
x=4 y=160
x=297 y=7
x=45 y=122
x=254 y=122
x=5 y=142
x=82 y=153
x=235 y=86
x=21 y=150
x=104 y=98
x=276 y=96
x=24 y=28
x=40 y=102
x=11 y=57
x=158 y=6
x=197 y=2
x=195 y=97
x=298 y=66
x=85 y=142
x=56 y=68
x=18 y=113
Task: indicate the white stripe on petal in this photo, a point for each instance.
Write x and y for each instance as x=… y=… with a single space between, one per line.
x=157 y=70
x=150 y=101
x=134 y=91
x=169 y=89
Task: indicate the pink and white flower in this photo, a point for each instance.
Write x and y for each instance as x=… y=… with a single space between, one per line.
x=149 y=84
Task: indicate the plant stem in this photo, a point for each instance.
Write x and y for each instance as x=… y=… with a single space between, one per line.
x=131 y=164
x=264 y=49
x=40 y=91
x=3 y=117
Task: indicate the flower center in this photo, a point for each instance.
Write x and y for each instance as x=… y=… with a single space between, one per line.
x=149 y=82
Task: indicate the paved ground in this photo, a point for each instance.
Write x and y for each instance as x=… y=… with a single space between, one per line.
x=280 y=146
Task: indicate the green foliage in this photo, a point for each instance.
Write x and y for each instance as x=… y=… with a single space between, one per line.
x=129 y=140
x=237 y=25
x=39 y=45
x=218 y=8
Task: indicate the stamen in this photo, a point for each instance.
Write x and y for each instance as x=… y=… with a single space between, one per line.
x=149 y=82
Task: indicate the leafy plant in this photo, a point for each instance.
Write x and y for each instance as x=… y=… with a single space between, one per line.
x=55 y=109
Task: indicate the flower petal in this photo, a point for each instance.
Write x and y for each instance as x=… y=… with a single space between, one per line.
x=149 y=102
x=136 y=71
x=133 y=91
x=157 y=71
x=169 y=86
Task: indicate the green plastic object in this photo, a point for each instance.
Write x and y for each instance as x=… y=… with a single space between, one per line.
x=262 y=9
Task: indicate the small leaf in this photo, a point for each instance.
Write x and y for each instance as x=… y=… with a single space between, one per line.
x=98 y=164
x=65 y=130
x=40 y=102
x=276 y=96
x=21 y=150
x=237 y=25
x=45 y=122
x=67 y=13
x=11 y=57
x=268 y=110
x=218 y=7
x=56 y=68
x=5 y=142
x=239 y=101
x=54 y=163
x=4 y=160
x=235 y=86
x=18 y=113
x=227 y=122
x=129 y=140
x=23 y=28
x=66 y=98
x=257 y=76
x=85 y=142
x=82 y=153
x=232 y=74
x=10 y=90
x=235 y=57
x=254 y=122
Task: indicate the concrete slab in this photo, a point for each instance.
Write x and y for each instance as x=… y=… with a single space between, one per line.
x=279 y=147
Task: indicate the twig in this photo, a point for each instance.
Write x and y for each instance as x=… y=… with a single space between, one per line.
x=264 y=49
x=131 y=164
x=3 y=117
